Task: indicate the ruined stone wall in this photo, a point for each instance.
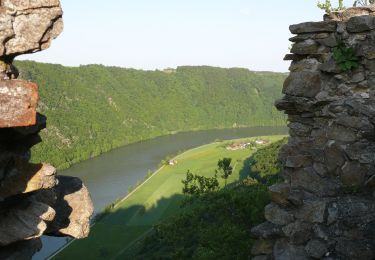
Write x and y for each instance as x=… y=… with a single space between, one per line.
x=325 y=209
x=33 y=199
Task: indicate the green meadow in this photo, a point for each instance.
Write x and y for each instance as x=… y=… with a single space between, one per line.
x=157 y=199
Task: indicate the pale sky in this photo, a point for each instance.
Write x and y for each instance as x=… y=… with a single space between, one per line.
x=156 y=34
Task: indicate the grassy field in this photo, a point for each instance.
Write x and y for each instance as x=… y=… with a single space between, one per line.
x=155 y=200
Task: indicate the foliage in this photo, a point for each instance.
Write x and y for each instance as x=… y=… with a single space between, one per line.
x=93 y=109
x=197 y=185
x=345 y=57
x=213 y=226
x=327 y=6
x=266 y=166
x=225 y=168
x=216 y=225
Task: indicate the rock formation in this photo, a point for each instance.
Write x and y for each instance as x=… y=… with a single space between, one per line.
x=33 y=200
x=325 y=209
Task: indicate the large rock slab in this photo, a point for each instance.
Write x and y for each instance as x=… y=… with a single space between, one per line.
x=24 y=178
x=311 y=27
x=18 y=102
x=73 y=209
x=28 y=26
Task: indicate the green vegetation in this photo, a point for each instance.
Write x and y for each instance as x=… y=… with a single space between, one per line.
x=197 y=185
x=93 y=109
x=225 y=168
x=327 y=5
x=265 y=164
x=345 y=57
x=217 y=223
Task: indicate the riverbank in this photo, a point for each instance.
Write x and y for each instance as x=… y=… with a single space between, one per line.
x=104 y=150
x=153 y=201
x=108 y=176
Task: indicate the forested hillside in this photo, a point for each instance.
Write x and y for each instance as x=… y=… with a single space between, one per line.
x=92 y=109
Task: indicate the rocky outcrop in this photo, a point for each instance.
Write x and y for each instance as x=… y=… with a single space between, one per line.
x=26 y=27
x=325 y=209
x=33 y=199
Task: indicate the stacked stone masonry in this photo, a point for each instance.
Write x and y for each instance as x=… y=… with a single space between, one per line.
x=325 y=209
x=33 y=200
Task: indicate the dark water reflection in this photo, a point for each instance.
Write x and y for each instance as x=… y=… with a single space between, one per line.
x=109 y=175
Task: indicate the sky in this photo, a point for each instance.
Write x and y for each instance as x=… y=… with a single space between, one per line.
x=158 y=34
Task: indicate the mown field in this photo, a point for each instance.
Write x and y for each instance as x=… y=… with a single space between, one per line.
x=154 y=201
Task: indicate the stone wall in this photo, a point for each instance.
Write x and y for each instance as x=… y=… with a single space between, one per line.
x=325 y=209
x=33 y=199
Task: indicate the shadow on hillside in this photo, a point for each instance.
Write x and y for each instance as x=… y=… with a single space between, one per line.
x=246 y=171
x=132 y=224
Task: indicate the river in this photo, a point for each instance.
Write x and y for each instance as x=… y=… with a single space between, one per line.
x=109 y=175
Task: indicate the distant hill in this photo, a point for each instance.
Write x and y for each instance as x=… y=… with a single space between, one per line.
x=93 y=109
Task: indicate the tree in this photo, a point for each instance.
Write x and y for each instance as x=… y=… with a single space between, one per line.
x=197 y=185
x=225 y=168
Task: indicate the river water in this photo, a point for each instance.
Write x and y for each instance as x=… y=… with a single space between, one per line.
x=108 y=176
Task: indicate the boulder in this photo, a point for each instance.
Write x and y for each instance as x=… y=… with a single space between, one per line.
x=352 y=250
x=353 y=174
x=298 y=161
x=306 y=179
x=298 y=232
x=267 y=230
x=286 y=251
x=280 y=193
x=316 y=249
x=277 y=215
x=304 y=48
x=302 y=84
x=73 y=209
x=262 y=247
x=312 y=211
x=360 y=24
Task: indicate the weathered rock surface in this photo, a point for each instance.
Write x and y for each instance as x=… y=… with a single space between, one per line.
x=18 y=102
x=24 y=178
x=28 y=26
x=25 y=220
x=33 y=201
x=325 y=208
x=73 y=209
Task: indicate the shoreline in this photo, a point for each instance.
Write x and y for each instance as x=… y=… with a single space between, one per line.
x=164 y=135
x=115 y=204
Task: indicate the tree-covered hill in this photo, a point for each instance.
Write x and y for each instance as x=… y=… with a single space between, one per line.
x=92 y=109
